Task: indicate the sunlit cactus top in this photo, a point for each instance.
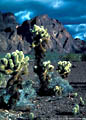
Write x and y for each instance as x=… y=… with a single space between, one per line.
x=40 y=33
x=64 y=66
x=13 y=62
x=47 y=65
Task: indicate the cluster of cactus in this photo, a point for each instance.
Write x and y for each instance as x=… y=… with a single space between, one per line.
x=13 y=62
x=76 y=106
x=76 y=109
x=64 y=68
x=43 y=68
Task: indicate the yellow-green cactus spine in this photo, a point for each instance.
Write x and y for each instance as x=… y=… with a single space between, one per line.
x=2 y=67
x=15 y=58
x=8 y=55
x=17 y=68
x=26 y=59
x=4 y=61
x=11 y=65
x=20 y=56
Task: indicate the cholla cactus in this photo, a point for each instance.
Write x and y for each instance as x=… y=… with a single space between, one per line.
x=40 y=36
x=76 y=109
x=45 y=72
x=31 y=116
x=64 y=68
x=41 y=32
x=82 y=101
x=15 y=65
x=58 y=90
x=13 y=62
x=43 y=69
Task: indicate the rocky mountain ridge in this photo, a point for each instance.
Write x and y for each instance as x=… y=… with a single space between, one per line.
x=14 y=36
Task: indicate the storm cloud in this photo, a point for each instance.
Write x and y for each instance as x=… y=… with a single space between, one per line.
x=72 y=13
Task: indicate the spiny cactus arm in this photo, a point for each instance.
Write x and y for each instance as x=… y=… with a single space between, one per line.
x=8 y=56
x=47 y=69
x=50 y=67
x=76 y=109
x=43 y=49
x=45 y=74
x=58 y=90
x=4 y=61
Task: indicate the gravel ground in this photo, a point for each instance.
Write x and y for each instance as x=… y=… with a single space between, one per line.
x=52 y=108
x=78 y=73
x=58 y=108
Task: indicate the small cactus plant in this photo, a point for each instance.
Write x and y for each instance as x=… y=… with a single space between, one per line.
x=82 y=101
x=15 y=65
x=76 y=109
x=64 y=68
x=58 y=90
x=31 y=116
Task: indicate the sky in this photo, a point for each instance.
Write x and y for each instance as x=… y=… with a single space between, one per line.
x=71 y=13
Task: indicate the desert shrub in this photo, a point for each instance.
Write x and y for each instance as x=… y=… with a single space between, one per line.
x=71 y=57
x=54 y=57
x=60 y=82
x=84 y=57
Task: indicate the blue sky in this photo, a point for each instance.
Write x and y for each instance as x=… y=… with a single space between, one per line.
x=72 y=13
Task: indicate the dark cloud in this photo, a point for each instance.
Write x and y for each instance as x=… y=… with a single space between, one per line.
x=77 y=30
x=67 y=11
x=64 y=10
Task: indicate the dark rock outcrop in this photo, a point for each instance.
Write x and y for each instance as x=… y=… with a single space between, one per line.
x=9 y=39
x=60 y=40
x=7 y=22
x=79 y=46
